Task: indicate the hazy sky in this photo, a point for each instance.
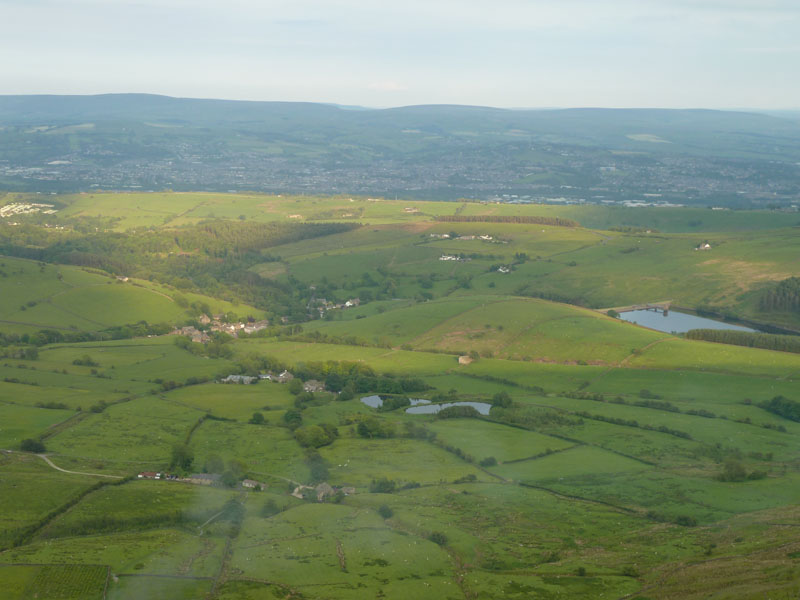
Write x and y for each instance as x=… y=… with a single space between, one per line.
x=511 y=53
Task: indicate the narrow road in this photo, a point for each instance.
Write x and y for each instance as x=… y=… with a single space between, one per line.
x=50 y=462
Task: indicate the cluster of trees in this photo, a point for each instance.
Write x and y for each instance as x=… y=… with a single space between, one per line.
x=733 y=471
x=22 y=353
x=316 y=436
x=85 y=361
x=375 y=428
x=785 y=297
x=781 y=406
x=528 y=220
x=769 y=341
x=356 y=377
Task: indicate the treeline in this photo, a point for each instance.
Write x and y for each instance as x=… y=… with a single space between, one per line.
x=356 y=377
x=634 y=423
x=55 y=336
x=768 y=341
x=785 y=297
x=528 y=220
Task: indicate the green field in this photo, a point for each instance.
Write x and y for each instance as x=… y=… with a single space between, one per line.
x=618 y=462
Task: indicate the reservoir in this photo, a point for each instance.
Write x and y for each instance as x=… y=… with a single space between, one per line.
x=429 y=409
x=675 y=322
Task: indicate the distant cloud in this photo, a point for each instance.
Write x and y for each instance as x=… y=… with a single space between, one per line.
x=387 y=86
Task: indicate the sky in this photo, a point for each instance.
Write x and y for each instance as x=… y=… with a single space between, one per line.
x=380 y=53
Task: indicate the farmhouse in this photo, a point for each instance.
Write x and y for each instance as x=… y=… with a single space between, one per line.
x=464 y=360
x=203 y=478
x=284 y=377
x=252 y=484
x=243 y=379
x=312 y=385
x=149 y=475
x=704 y=246
x=323 y=491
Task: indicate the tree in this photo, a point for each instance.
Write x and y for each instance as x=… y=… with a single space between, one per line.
x=382 y=486
x=334 y=382
x=501 y=399
x=293 y=418
x=295 y=387
x=257 y=419
x=385 y=511
x=313 y=436
x=733 y=470
x=182 y=457
x=437 y=537
x=348 y=393
x=31 y=445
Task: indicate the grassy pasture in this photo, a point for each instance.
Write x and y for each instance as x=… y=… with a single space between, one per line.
x=138 y=210
x=358 y=461
x=137 y=505
x=581 y=461
x=482 y=439
x=158 y=551
x=267 y=451
x=677 y=354
x=237 y=402
x=30 y=395
x=65 y=297
x=32 y=489
x=374 y=555
x=18 y=422
x=56 y=582
x=140 y=359
x=537 y=329
x=133 y=433
x=159 y=588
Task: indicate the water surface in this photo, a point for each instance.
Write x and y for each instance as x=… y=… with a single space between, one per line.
x=430 y=409
x=675 y=322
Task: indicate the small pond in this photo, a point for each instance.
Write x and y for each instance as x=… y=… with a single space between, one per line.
x=429 y=409
x=372 y=401
x=675 y=322
x=377 y=401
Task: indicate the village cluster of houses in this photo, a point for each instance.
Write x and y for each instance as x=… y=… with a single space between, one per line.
x=447 y=236
x=216 y=324
x=321 y=491
x=312 y=385
x=323 y=305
